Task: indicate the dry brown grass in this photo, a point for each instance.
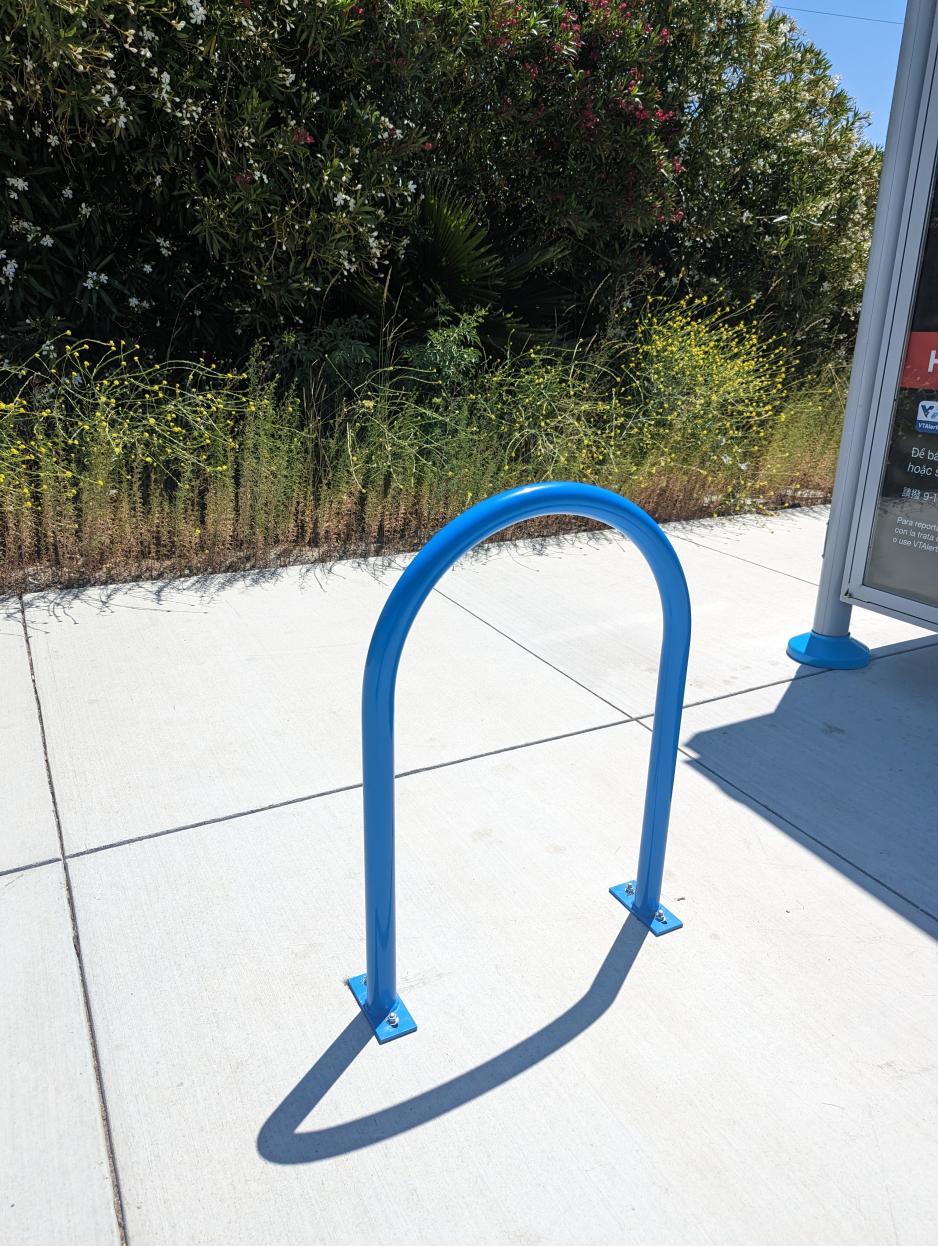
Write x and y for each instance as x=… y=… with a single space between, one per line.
x=134 y=473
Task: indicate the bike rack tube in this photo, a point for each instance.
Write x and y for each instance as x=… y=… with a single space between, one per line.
x=376 y=990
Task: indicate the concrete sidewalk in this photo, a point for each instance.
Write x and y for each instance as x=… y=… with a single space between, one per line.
x=181 y=899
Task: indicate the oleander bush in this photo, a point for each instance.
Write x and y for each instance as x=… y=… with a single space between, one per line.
x=199 y=173
x=204 y=171
x=778 y=185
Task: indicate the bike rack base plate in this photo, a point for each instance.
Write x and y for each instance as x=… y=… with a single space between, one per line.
x=384 y=1031
x=625 y=894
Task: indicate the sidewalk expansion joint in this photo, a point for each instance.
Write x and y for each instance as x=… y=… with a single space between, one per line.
x=808 y=673
x=789 y=575
x=117 y=1195
x=559 y=670
x=33 y=865
x=336 y=791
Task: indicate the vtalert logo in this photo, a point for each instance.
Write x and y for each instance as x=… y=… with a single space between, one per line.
x=927 y=419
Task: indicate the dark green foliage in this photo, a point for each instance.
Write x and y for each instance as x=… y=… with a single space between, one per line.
x=778 y=187
x=201 y=173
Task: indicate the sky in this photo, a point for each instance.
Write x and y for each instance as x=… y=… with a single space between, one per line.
x=861 y=38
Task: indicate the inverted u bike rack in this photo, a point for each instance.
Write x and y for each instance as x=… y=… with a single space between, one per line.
x=376 y=990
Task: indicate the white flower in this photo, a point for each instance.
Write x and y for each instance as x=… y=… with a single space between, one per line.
x=133 y=302
x=67 y=193
x=18 y=183
x=197 y=13
x=45 y=240
x=19 y=226
x=164 y=246
x=148 y=268
x=84 y=211
x=93 y=281
x=9 y=268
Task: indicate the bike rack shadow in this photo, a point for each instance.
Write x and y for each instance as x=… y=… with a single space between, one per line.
x=279 y=1141
x=376 y=990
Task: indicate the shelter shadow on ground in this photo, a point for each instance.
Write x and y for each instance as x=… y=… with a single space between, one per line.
x=844 y=761
x=280 y=1142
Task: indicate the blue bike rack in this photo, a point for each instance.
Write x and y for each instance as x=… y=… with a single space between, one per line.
x=376 y=990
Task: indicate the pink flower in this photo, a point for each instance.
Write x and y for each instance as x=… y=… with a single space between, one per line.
x=303 y=136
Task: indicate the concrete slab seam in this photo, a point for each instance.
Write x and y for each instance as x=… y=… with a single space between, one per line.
x=739 y=692
x=807 y=673
x=335 y=791
x=33 y=865
x=713 y=549
x=118 y=1200
x=531 y=653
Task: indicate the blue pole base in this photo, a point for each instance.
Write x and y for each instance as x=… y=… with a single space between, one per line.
x=384 y=1030
x=830 y=653
x=663 y=921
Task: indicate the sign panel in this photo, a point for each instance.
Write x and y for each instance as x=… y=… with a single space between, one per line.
x=893 y=564
x=903 y=552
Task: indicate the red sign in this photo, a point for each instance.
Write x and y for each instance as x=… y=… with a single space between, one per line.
x=920 y=370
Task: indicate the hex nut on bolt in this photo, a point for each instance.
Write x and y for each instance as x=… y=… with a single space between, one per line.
x=393 y=1020
x=660 y=917
x=629 y=889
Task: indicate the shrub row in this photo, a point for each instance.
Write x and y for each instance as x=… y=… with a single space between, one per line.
x=198 y=173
